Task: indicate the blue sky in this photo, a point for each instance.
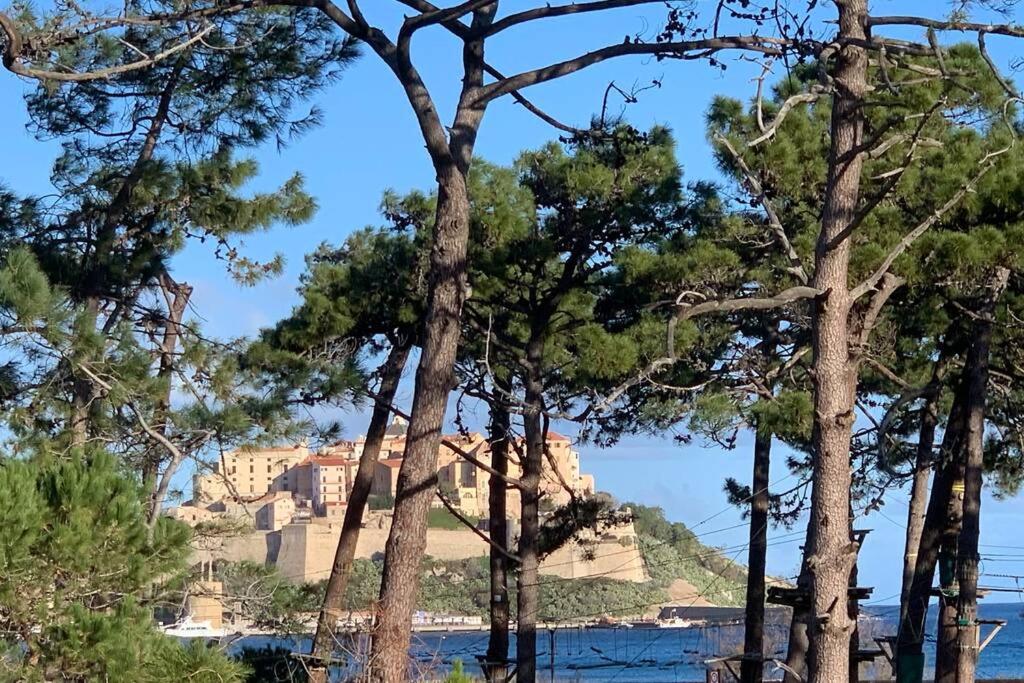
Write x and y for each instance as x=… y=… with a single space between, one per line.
x=369 y=142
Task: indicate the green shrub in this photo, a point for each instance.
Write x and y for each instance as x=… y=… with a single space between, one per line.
x=381 y=502
x=457 y=674
x=440 y=518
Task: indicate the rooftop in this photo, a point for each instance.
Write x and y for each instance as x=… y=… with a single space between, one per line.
x=332 y=461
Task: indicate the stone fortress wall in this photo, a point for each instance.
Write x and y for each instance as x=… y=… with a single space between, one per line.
x=285 y=506
x=304 y=552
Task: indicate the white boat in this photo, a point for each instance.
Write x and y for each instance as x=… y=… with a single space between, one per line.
x=187 y=628
x=674 y=622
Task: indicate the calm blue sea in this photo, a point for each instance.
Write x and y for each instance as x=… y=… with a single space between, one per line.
x=662 y=655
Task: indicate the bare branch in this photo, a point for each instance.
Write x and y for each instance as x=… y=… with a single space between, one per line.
x=754 y=187
x=802 y=98
x=939 y=25
x=890 y=283
x=14 y=46
x=472 y=527
x=688 y=49
x=561 y=11
x=992 y=67
x=685 y=312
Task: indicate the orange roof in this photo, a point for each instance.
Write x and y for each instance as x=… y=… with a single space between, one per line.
x=555 y=436
x=332 y=462
x=391 y=462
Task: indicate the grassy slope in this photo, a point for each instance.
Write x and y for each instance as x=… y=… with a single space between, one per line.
x=682 y=570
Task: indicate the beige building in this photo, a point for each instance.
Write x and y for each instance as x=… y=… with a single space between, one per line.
x=256 y=472
x=321 y=482
x=385 y=477
x=276 y=513
x=250 y=473
x=470 y=485
x=331 y=481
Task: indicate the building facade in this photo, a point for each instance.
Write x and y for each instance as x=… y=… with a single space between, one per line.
x=320 y=482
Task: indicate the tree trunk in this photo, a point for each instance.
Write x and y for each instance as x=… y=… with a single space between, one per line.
x=496 y=669
x=177 y=295
x=830 y=552
x=337 y=585
x=417 y=477
x=752 y=670
x=919 y=493
x=798 y=645
x=945 y=642
x=83 y=388
x=967 y=557
x=528 y=603
x=938 y=518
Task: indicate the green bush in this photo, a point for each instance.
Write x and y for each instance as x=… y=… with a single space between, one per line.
x=457 y=674
x=440 y=518
x=81 y=572
x=381 y=502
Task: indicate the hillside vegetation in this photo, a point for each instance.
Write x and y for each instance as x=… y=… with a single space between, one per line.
x=671 y=552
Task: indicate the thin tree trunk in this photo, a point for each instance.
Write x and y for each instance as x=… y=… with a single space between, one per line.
x=945 y=642
x=967 y=557
x=83 y=388
x=417 y=478
x=498 y=640
x=752 y=670
x=337 y=585
x=830 y=552
x=799 y=643
x=941 y=510
x=177 y=295
x=528 y=594
x=451 y=151
x=853 y=611
x=919 y=493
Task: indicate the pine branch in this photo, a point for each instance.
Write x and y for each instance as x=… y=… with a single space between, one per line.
x=872 y=281
x=472 y=527
x=757 y=190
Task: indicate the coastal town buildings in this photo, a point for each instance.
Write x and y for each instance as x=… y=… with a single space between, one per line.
x=284 y=506
x=275 y=485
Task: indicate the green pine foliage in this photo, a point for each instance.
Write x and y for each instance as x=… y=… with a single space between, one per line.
x=82 y=574
x=923 y=329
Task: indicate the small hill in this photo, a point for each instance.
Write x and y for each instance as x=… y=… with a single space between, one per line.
x=686 y=569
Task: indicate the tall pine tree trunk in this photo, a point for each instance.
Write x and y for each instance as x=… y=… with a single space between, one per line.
x=752 y=670
x=417 y=478
x=830 y=552
x=528 y=594
x=919 y=492
x=945 y=642
x=497 y=644
x=941 y=510
x=337 y=585
x=967 y=557
x=799 y=643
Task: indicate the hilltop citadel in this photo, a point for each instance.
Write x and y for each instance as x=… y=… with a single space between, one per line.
x=289 y=503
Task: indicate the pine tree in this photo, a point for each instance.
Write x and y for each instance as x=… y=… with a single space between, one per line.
x=360 y=302
x=83 y=573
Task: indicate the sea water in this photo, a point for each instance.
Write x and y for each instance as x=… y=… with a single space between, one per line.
x=653 y=655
